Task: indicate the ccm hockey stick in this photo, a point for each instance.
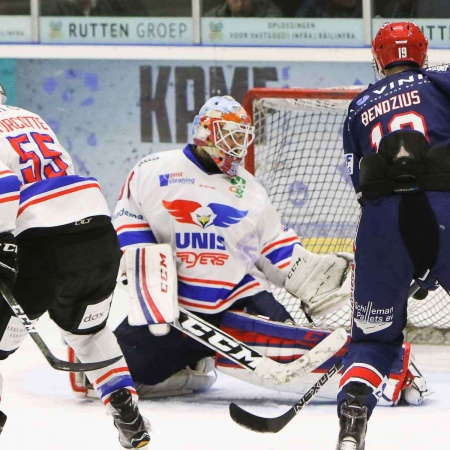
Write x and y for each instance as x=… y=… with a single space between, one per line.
x=56 y=363
x=251 y=359
x=275 y=424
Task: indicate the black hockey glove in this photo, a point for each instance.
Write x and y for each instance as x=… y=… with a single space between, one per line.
x=8 y=259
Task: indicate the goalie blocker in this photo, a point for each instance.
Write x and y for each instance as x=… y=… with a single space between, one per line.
x=151 y=277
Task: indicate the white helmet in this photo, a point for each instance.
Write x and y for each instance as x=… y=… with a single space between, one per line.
x=224 y=130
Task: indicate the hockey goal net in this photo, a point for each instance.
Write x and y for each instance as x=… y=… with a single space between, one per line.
x=297 y=155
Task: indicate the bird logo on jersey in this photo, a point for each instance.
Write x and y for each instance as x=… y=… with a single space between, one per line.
x=187 y=211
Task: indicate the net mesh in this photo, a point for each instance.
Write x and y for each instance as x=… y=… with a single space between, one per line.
x=298 y=157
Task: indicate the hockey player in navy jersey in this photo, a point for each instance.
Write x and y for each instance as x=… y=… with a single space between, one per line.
x=397 y=148
x=68 y=258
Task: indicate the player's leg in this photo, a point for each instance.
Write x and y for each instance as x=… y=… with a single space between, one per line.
x=173 y=364
x=86 y=264
x=12 y=330
x=382 y=275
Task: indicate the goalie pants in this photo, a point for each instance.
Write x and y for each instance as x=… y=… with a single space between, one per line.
x=63 y=270
x=152 y=359
x=399 y=237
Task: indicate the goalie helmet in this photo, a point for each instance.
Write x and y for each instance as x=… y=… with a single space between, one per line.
x=224 y=130
x=399 y=42
x=2 y=95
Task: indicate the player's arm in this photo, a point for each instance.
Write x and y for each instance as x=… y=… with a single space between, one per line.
x=351 y=153
x=132 y=227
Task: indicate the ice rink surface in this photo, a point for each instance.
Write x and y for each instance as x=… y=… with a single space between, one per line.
x=43 y=414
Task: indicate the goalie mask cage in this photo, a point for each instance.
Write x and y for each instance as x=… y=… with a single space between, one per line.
x=298 y=157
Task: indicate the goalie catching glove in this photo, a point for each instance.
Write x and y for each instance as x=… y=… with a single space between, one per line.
x=321 y=282
x=152 y=287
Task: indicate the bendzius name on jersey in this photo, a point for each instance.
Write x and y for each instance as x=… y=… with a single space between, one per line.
x=398 y=101
x=216 y=338
x=209 y=241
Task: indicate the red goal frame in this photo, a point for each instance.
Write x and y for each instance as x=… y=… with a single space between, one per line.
x=259 y=93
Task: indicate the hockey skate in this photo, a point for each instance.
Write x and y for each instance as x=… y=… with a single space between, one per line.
x=133 y=428
x=353 y=418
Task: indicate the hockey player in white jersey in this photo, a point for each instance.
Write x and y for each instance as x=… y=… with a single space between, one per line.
x=68 y=258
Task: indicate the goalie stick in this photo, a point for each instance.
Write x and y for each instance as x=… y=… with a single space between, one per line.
x=56 y=363
x=250 y=359
x=275 y=424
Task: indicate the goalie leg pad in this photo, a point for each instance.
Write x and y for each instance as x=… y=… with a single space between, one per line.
x=186 y=381
x=281 y=342
x=399 y=378
x=152 y=284
x=403 y=387
x=285 y=343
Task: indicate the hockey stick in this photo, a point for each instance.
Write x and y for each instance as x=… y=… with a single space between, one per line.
x=275 y=424
x=56 y=363
x=250 y=359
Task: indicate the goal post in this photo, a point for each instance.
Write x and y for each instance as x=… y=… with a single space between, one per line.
x=298 y=156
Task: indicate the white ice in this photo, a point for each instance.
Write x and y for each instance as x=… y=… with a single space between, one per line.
x=43 y=414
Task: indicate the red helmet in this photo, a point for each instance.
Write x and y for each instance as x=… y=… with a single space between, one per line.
x=399 y=42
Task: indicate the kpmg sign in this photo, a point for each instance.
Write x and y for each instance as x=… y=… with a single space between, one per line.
x=189 y=85
x=111 y=113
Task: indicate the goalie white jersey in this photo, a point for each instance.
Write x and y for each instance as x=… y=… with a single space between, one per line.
x=226 y=236
x=30 y=150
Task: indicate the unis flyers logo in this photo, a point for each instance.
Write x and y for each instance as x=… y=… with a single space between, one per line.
x=202 y=243
x=188 y=211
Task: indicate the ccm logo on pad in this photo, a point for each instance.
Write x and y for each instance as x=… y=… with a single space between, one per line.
x=163 y=272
